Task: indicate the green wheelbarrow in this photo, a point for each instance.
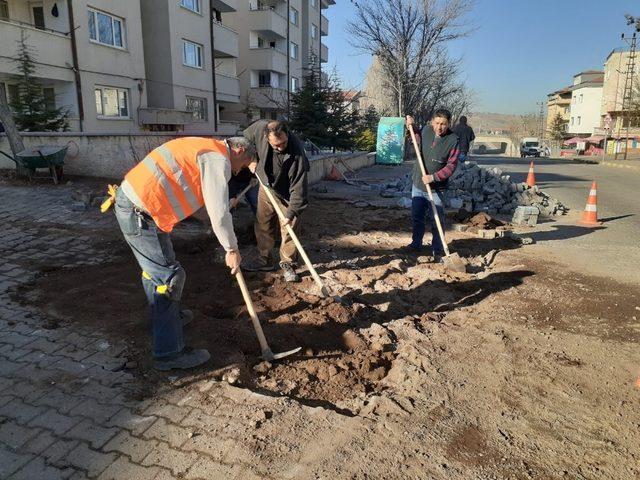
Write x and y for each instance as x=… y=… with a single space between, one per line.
x=50 y=157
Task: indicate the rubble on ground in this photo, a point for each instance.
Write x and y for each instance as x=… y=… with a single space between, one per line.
x=475 y=188
x=478 y=189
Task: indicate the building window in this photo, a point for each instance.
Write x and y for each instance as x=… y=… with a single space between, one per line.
x=112 y=102
x=314 y=31
x=37 y=12
x=4 y=10
x=198 y=107
x=580 y=98
x=294 y=50
x=293 y=16
x=106 y=29
x=579 y=120
x=13 y=91
x=193 y=5
x=49 y=95
x=264 y=79
x=191 y=54
x=571 y=120
x=295 y=84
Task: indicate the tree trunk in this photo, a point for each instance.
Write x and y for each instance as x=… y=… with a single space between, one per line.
x=15 y=141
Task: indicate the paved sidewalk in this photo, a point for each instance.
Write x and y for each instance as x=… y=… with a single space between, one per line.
x=629 y=164
x=64 y=411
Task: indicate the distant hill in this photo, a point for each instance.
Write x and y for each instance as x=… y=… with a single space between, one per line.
x=486 y=121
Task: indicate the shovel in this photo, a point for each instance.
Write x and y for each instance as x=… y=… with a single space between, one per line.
x=323 y=289
x=267 y=354
x=452 y=261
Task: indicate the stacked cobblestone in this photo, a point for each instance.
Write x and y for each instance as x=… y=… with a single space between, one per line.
x=475 y=188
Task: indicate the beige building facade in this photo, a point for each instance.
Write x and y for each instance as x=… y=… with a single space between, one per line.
x=558 y=103
x=277 y=41
x=615 y=68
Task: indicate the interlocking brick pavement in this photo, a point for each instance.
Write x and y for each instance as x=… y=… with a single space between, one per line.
x=64 y=414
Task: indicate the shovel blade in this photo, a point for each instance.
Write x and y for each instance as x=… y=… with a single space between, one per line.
x=269 y=355
x=455 y=263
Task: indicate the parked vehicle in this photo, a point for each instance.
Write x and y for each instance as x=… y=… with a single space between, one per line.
x=530 y=147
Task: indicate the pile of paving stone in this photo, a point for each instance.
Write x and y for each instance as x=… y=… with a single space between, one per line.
x=479 y=189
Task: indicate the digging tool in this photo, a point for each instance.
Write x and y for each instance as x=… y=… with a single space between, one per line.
x=452 y=261
x=245 y=190
x=267 y=354
x=323 y=289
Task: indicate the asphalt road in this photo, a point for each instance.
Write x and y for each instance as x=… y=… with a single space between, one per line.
x=611 y=251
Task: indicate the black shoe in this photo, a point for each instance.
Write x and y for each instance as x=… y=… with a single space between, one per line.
x=409 y=250
x=437 y=257
x=186 y=359
x=260 y=265
x=289 y=273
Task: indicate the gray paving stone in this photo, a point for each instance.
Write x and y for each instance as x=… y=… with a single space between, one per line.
x=14 y=435
x=208 y=468
x=134 y=447
x=15 y=339
x=98 y=412
x=122 y=468
x=38 y=469
x=54 y=421
x=10 y=461
x=174 y=435
x=40 y=443
x=91 y=433
x=20 y=411
x=133 y=422
x=167 y=411
x=46 y=345
x=62 y=401
x=175 y=460
x=90 y=461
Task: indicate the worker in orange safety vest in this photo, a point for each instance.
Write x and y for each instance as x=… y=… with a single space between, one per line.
x=168 y=185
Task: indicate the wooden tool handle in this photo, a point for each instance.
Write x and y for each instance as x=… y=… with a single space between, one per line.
x=252 y=313
x=294 y=237
x=433 y=205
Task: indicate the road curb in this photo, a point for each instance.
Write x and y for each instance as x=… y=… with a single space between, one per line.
x=620 y=165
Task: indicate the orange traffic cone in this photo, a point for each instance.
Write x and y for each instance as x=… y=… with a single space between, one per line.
x=531 y=178
x=334 y=174
x=590 y=214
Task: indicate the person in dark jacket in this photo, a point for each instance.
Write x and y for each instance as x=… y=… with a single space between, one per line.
x=283 y=166
x=439 y=148
x=465 y=136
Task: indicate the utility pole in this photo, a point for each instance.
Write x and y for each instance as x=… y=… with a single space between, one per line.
x=627 y=96
x=541 y=120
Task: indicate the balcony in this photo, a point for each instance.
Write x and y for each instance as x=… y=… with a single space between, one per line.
x=225 y=6
x=267 y=22
x=49 y=46
x=324 y=53
x=227 y=88
x=225 y=41
x=324 y=26
x=326 y=3
x=268 y=97
x=268 y=59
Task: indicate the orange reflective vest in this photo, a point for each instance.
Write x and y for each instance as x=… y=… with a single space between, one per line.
x=167 y=182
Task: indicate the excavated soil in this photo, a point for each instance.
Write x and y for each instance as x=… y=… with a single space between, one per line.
x=518 y=368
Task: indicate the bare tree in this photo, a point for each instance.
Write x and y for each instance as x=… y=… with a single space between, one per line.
x=408 y=37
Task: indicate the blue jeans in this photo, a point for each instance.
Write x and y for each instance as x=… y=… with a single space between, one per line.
x=162 y=276
x=421 y=211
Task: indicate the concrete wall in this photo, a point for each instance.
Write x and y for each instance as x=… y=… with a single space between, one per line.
x=112 y=156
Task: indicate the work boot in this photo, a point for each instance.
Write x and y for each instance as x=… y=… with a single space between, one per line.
x=289 y=273
x=186 y=316
x=408 y=250
x=187 y=358
x=437 y=258
x=261 y=264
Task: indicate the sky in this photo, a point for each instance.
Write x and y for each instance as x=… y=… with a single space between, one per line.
x=519 y=51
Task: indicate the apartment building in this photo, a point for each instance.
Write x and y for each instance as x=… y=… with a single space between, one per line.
x=615 y=77
x=187 y=85
x=88 y=56
x=586 y=99
x=132 y=66
x=278 y=39
x=558 y=103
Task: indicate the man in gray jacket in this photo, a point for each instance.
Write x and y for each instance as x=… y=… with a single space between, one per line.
x=283 y=167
